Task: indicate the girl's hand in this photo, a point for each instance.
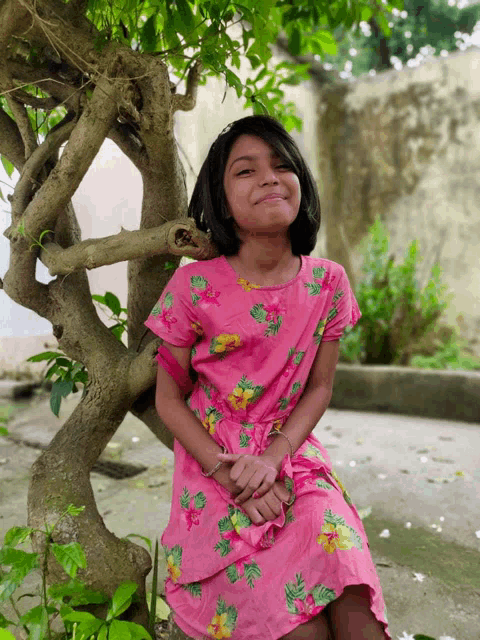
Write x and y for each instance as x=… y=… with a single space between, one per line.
x=250 y=473
x=269 y=506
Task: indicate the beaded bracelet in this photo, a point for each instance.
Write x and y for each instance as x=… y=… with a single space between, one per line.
x=285 y=436
x=216 y=467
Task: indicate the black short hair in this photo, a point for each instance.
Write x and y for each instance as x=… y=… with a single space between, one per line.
x=208 y=205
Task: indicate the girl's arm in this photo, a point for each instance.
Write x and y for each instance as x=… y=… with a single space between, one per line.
x=183 y=423
x=311 y=406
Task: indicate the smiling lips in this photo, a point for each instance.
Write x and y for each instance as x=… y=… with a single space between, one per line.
x=271 y=196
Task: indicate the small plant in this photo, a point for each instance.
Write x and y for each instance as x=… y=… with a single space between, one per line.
x=59 y=601
x=396 y=313
x=6 y=412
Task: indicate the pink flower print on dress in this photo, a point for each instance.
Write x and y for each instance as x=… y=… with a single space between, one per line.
x=202 y=292
x=306 y=609
x=167 y=318
x=273 y=310
x=327 y=282
x=192 y=507
x=210 y=296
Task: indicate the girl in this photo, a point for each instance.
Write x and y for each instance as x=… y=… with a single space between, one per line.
x=263 y=540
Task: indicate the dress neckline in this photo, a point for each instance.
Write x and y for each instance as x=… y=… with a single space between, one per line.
x=269 y=286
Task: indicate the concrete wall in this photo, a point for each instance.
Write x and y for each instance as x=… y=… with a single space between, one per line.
x=405 y=145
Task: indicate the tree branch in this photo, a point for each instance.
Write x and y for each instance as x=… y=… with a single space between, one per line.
x=24 y=126
x=82 y=147
x=34 y=164
x=188 y=101
x=130 y=145
x=178 y=237
x=11 y=143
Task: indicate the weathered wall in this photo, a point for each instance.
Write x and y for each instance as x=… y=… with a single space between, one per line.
x=406 y=146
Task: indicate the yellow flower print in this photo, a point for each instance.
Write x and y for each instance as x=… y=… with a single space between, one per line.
x=346 y=495
x=240 y=397
x=217 y=628
x=172 y=568
x=227 y=342
x=277 y=425
x=335 y=537
x=209 y=423
x=197 y=328
x=247 y=286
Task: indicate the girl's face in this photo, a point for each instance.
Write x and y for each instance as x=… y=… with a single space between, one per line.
x=263 y=193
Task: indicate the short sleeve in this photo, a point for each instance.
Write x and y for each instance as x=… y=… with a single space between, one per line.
x=173 y=318
x=344 y=310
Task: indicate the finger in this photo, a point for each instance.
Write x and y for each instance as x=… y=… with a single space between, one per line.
x=254 y=515
x=250 y=484
x=274 y=503
x=237 y=470
x=265 y=485
x=281 y=492
x=229 y=457
x=266 y=511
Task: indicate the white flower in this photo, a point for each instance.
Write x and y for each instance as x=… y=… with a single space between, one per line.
x=446 y=638
x=135 y=439
x=381 y=476
x=477 y=533
x=419 y=577
x=408 y=525
x=406 y=636
x=424 y=459
x=352 y=463
x=385 y=534
x=442 y=519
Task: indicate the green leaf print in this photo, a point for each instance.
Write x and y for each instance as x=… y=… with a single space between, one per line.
x=298 y=358
x=283 y=403
x=314 y=288
x=244 y=440
x=194 y=299
x=321 y=484
x=199 y=500
x=224 y=547
x=185 y=498
x=337 y=296
x=318 y=273
x=289 y=516
x=313 y=452
x=291 y=351
x=356 y=539
x=295 y=388
x=252 y=573
x=332 y=313
x=333 y=518
x=168 y=300
x=231 y=622
x=294 y=590
x=176 y=552
x=322 y=595
x=288 y=482
x=197 y=413
x=198 y=282
x=157 y=309
x=258 y=313
x=247 y=425
x=193 y=352
x=194 y=588
x=221 y=606
x=242 y=520
x=232 y=573
x=273 y=328
x=224 y=525
x=207 y=391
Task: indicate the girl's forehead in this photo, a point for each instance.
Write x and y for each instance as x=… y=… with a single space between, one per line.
x=249 y=144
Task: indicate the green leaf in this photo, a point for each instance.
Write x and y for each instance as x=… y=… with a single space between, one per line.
x=223 y=546
x=199 y=500
x=225 y=524
x=6 y=635
x=16 y=535
x=232 y=573
x=113 y=303
x=258 y=313
x=185 y=11
x=4 y=622
x=3 y=431
x=149 y=34
x=88 y=628
x=234 y=81
x=45 y=355
x=20 y=561
x=8 y=166
x=185 y=498
x=77 y=593
x=147 y=541
x=122 y=629
x=71 y=556
x=295 y=42
x=244 y=440
x=195 y=588
x=122 y=599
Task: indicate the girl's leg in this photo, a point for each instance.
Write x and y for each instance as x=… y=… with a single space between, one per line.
x=350 y=616
x=315 y=629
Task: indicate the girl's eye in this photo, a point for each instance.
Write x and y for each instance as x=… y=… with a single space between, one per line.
x=243 y=171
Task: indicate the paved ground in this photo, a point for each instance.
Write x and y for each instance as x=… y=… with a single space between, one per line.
x=398 y=469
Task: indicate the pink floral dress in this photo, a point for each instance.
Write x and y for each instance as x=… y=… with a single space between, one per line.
x=253 y=347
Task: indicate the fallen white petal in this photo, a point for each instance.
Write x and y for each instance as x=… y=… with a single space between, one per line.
x=406 y=636
x=424 y=459
x=442 y=519
x=408 y=525
x=419 y=577
x=446 y=638
x=439 y=529
x=352 y=463
x=135 y=439
x=382 y=476
x=477 y=533
x=434 y=526
x=385 y=534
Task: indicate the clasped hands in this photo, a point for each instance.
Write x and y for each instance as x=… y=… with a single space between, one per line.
x=254 y=481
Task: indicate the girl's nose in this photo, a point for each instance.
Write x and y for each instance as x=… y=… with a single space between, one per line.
x=268 y=177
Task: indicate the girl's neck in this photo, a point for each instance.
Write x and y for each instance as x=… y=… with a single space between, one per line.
x=265 y=263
